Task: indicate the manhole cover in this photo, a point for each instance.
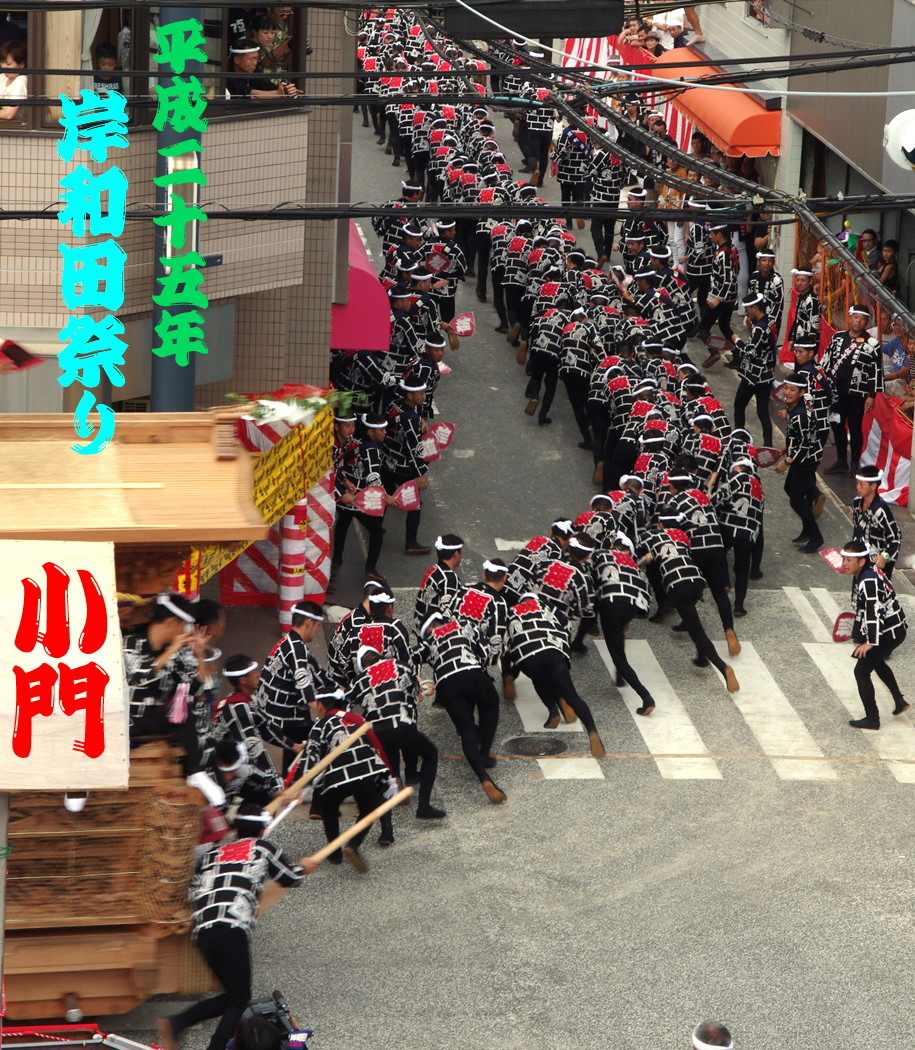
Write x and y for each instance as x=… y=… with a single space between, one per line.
x=535 y=745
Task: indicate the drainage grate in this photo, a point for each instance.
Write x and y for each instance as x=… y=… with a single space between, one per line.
x=534 y=746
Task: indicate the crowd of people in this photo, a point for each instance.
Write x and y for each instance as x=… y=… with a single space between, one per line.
x=678 y=510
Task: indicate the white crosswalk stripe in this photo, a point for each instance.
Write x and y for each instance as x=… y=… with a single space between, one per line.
x=896 y=738
x=827 y=603
x=669 y=731
x=533 y=713
x=807 y=613
x=778 y=728
x=570 y=768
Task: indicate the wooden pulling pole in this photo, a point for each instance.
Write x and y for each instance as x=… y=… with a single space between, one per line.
x=341 y=840
x=306 y=778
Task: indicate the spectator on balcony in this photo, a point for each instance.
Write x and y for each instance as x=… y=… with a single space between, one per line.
x=106 y=65
x=887 y=268
x=653 y=44
x=243 y=83
x=869 y=249
x=895 y=362
x=280 y=55
x=669 y=25
x=699 y=146
x=13 y=85
x=634 y=33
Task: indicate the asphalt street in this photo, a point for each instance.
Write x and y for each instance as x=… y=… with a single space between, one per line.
x=743 y=859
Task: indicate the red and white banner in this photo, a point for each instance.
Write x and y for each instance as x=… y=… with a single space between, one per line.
x=888 y=444
x=606 y=51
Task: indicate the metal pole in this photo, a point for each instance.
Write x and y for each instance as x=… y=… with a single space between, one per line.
x=172 y=384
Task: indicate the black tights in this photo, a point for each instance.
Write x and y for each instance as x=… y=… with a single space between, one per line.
x=851 y=415
x=875 y=663
x=367 y=795
x=372 y=524
x=463 y=695
x=549 y=672
x=684 y=597
x=228 y=955
x=745 y=393
x=614 y=615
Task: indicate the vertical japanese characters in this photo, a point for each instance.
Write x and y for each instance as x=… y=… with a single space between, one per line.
x=77 y=688
x=181 y=103
x=93 y=274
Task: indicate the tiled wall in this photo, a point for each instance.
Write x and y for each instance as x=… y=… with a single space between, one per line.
x=279 y=274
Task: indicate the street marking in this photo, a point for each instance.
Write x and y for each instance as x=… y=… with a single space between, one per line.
x=668 y=732
x=570 y=769
x=463 y=453
x=807 y=614
x=532 y=710
x=773 y=721
x=895 y=740
x=827 y=603
x=509 y=545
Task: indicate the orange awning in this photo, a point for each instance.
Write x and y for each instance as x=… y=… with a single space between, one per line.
x=734 y=121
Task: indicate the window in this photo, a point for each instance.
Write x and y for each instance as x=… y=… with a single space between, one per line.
x=15 y=51
x=759 y=11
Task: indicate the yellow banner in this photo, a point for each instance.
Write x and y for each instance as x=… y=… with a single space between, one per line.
x=282 y=477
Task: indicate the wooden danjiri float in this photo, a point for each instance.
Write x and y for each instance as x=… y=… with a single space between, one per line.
x=96 y=911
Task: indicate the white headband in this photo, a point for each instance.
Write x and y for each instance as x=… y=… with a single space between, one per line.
x=163 y=599
x=381 y=598
x=877 y=479
x=621 y=537
x=242 y=755
x=626 y=478
x=362 y=650
x=575 y=542
x=256 y=818
x=253 y=666
x=243 y=50
x=562 y=525
x=297 y=610
x=699 y=1045
x=491 y=566
x=802 y=273
x=429 y=621
x=854 y=554
x=860 y=311
x=440 y=545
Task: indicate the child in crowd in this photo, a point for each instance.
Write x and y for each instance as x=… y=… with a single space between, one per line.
x=106 y=63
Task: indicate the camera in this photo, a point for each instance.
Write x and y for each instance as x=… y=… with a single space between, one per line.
x=274 y=1010
x=308 y=48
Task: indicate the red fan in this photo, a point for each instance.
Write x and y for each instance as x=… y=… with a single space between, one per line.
x=778 y=393
x=406 y=496
x=842 y=629
x=370 y=500
x=428 y=448
x=833 y=557
x=554 y=169
x=437 y=262
x=719 y=344
x=768 y=457
x=444 y=369
x=464 y=324
x=18 y=357
x=442 y=434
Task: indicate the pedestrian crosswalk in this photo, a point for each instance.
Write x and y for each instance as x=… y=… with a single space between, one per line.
x=682 y=748
x=793 y=723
